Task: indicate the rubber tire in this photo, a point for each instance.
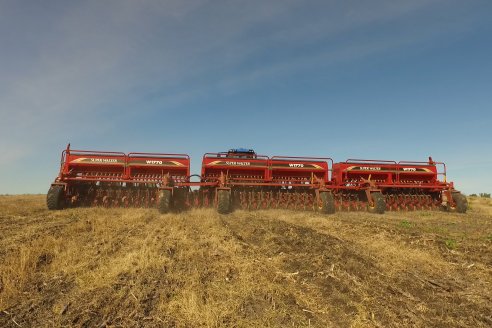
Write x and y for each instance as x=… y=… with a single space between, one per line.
x=179 y=199
x=165 y=201
x=223 y=201
x=461 y=202
x=327 y=203
x=379 y=203
x=55 y=198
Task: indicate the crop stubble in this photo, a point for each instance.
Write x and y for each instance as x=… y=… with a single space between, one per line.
x=133 y=267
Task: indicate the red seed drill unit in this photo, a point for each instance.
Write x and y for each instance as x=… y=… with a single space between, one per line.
x=242 y=179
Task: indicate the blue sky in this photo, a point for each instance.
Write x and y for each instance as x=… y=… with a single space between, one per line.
x=346 y=79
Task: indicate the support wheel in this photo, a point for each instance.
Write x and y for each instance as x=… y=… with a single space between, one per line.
x=327 y=203
x=165 y=201
x=179 y=199
x=55 y=198
x=461 y=203
x=223 y=201
x=379 y=203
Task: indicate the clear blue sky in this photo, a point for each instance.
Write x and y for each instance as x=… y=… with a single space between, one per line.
x=366 y=79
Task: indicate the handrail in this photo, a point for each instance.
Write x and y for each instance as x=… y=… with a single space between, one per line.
x=415 y=162
x=443 y=173
x=126 y=157
x=180 y=156
x=368 y=161
x=301 y=158
x=62 y=162
x=95 y=152
x=216 y=155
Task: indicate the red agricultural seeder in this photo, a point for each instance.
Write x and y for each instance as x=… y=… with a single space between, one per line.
x=240 y=178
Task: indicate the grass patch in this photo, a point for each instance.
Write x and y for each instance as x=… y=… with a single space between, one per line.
x=451 y=243
x=406 y=224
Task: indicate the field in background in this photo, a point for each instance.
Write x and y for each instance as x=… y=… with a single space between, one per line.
x=97 y=267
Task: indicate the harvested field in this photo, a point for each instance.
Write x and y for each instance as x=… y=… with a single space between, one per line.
x=95 y=267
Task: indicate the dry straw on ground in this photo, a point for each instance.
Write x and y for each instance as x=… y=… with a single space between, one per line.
x=133 y=267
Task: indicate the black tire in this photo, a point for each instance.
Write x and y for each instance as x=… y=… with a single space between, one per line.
x=55 y=199
x=327 y=201
x=223 y=201
x=165 y=201
x=179 y=199
x=461 y=203
x=379 y=204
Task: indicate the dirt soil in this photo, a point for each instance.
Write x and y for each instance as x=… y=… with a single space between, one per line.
x=95 y=267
